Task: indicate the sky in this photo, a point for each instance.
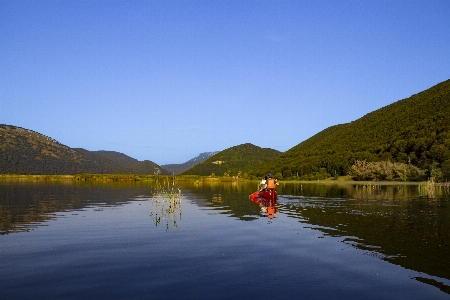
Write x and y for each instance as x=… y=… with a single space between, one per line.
x=167 y=80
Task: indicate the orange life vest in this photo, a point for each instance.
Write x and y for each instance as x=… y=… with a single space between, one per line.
x=271 y=183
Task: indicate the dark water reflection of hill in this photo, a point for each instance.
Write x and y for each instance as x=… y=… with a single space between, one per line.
x=407 y=225
x=403 y=224
x=24 y=205
x=395 y=223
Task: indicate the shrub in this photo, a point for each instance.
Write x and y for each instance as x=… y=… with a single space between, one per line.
x=386 y=171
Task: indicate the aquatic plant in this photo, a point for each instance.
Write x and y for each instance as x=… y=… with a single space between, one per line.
x=166 y=203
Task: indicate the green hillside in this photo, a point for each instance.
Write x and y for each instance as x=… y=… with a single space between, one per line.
x=132 y=165
x=148 y=167
x=23 y=151
x=104 y=162
x=234 y=161
x=413 y=131
x=407 y=140
x=117 y=157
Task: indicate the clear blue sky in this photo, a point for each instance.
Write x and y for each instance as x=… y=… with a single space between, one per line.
x=166 y=80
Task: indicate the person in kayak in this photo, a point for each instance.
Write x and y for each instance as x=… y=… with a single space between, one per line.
x=263 y=184
x=271 y=183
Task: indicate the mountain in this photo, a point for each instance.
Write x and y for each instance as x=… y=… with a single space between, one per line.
x=131 y=164
x=413 y=131
x=180 y=168
x=117 y=157
x=27 y=152
x=234 y=161
x=23 y=151
x=104 y=162
x=149 y=167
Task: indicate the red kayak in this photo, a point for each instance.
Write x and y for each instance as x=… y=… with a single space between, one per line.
x=268 y=194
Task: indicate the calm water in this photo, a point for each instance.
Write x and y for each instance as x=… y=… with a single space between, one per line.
x=121 y=241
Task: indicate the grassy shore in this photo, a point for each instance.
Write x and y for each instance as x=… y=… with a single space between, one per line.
x=151 y=177
x=80 y=177
x=114 y=177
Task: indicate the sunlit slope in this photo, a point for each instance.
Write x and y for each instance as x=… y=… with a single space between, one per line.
x=234 y=161
x=23 y=151
x=415 y=130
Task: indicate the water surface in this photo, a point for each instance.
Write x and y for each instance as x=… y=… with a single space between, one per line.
x=115 y=241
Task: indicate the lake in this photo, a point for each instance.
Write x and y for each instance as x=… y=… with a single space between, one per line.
x=89 y=240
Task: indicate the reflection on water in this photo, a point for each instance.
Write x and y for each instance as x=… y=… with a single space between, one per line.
x=227 y=198
x=405 y=225
x=413 y=233
x=166 y=204
x=268 y=206
x=408 y=225
x=25 y=205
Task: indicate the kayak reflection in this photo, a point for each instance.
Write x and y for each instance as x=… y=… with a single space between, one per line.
x=267 y=201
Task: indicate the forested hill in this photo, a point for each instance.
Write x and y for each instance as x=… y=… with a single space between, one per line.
x=234 y=161
x=23 y=151
x=117 y=157
x=413 y=131
x=123 y=163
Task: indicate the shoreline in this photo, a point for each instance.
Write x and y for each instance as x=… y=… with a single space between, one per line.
x=151 y=177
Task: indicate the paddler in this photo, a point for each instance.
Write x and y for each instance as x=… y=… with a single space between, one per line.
x=263 y=184
x=271 y=183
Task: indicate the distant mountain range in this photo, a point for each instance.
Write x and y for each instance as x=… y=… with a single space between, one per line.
x=24 y=151
x=177 y=169
x=414 y=132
